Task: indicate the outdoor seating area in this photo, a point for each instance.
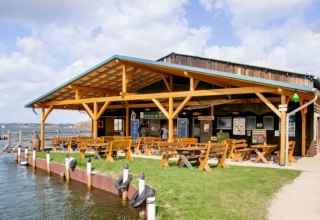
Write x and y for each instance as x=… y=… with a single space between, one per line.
x=187 y=152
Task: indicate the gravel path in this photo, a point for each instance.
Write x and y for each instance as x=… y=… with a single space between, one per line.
x=300 y=199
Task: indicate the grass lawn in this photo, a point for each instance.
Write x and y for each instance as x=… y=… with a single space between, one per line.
x=181 y=193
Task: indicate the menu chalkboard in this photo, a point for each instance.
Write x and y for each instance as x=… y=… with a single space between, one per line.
x=183 y=127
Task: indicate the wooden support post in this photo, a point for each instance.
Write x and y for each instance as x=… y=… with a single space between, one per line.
x=212 y=110
x=191 y=84
x=44 y=116
x=303 y=132
x=124 y=80
x=95 y=115
x=42 y=129
x=171 y=83
x=283 y=132
x=95 y=120
x=268 y=103
x=166 y=83
x=170 y=139
x=127 y=121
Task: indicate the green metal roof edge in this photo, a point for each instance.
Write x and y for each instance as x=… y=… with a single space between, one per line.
x=177 y=66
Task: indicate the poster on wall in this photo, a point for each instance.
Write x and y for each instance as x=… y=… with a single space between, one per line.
x=239 y=126
x=134 y=129
x=259 y=136
x=183 y=127
x=292 y=126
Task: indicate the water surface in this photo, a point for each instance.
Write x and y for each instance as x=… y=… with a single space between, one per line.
x=25 y=195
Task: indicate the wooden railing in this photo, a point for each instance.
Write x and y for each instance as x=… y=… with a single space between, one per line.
x=23 y=138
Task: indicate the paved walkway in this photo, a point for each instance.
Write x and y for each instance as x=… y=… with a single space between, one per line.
x=300 y=199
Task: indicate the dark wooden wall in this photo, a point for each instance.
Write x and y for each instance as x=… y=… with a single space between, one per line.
x=241 y=69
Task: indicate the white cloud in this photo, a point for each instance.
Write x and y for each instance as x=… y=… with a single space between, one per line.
x=272 y=33
x=248 y=12
x=207 y=4
x=76 y=38
x=68 y=37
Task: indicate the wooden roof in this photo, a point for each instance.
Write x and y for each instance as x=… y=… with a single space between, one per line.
x=105 y=80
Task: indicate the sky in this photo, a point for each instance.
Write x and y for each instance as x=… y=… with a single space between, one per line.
x=44 y=43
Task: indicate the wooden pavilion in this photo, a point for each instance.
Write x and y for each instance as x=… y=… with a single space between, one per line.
x=121 y=84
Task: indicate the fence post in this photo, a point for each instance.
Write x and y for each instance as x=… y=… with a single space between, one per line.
x=20 y=138
x=8 y=141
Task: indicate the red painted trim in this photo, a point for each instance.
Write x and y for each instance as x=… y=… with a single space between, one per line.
x=98 y=181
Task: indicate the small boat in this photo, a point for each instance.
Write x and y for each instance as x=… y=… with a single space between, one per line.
x=24 y=163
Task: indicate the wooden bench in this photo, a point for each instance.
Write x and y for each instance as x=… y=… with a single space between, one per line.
x=119 y=145
x=83 y=144
x=147 y=144
x=136 y=146
x=230 y=153
x=187 y=142
x=291 y=146
x=240 y=150
x=214 y=150
x=167 y=150
x=63 y=143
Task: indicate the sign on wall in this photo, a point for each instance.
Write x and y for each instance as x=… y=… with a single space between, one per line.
x=239 y=126
x=134 y=129
x=259 y=136
x=292 y=126
x=183 y=127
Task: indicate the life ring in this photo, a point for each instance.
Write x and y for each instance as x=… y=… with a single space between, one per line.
x=121 y=185
x=100 y=124
x=137 y=200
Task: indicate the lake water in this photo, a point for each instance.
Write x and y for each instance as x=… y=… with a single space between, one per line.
x=25 y=195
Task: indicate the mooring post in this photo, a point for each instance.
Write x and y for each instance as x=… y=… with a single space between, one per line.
x=125 y=178
x=48 y=162
x=20 y=138
x=141 y=189
x=26 y=153
x=89 y=169
x=34 y=160
x=8 y=142
x=151 y=204
x=67 y=167
x=19 y=154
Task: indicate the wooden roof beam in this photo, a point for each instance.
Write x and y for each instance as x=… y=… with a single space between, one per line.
x=269 y=104
x=166 y=83
x=150 y=96
x=176 y=104
x=93 y=90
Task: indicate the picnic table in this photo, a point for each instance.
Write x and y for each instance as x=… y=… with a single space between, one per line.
x=187 y=154
x=263 y=152
x=98 y=148
x=63 y=142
